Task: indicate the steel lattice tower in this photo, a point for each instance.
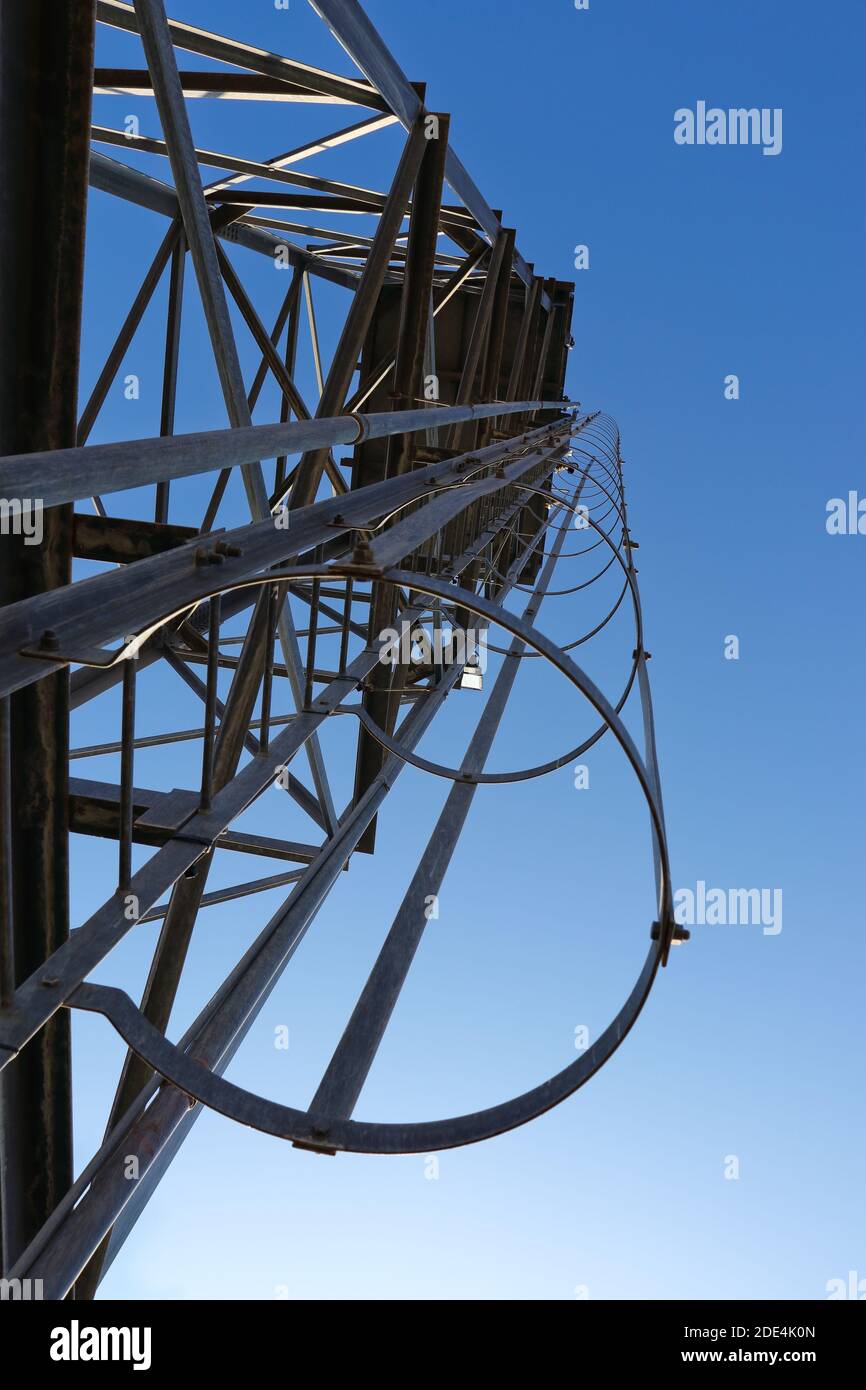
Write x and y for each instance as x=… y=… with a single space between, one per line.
x=468 y=470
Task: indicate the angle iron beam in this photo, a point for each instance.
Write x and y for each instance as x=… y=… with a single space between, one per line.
x=217 y=1034
x=122 y=181
x=344 y=1077
x=351 y=27
x=111 y=605
x=192 y=40
x=345 y=359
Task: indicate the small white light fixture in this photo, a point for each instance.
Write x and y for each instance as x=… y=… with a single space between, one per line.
x=472 y=679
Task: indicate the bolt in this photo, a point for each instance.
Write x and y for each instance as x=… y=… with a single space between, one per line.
x=361 y=554
x=678 y=935
x=49 y=639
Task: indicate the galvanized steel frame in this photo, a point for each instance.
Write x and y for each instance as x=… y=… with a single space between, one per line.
x=451 y=527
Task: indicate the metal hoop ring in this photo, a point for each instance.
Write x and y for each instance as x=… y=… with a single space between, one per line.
x=204 y=1085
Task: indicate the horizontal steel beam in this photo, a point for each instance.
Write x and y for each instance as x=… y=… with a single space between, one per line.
x=74 y=1232
x=94 y=810
x=121 y=540
x=95 y=611
x=351 y=27
x=343 y=90
x=387 y=88
x=221 y=86
x=371 y=198
x=122 y=181
x=66 y=475
x=44 y=992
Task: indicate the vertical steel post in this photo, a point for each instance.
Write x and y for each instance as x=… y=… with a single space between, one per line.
x=7 y=917
x=127 y=764
x=415 y=304
x=46 y=74
x=172 y=350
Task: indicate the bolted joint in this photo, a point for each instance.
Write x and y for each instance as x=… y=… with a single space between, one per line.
x=679 y=934
x=217 y=556
x=361 y=552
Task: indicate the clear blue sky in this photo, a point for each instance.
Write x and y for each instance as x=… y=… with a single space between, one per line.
x=704 y=262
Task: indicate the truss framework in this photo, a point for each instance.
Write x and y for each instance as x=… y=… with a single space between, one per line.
x=455 y=501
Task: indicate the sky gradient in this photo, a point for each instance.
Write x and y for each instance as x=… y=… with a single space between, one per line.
x=704 y=262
